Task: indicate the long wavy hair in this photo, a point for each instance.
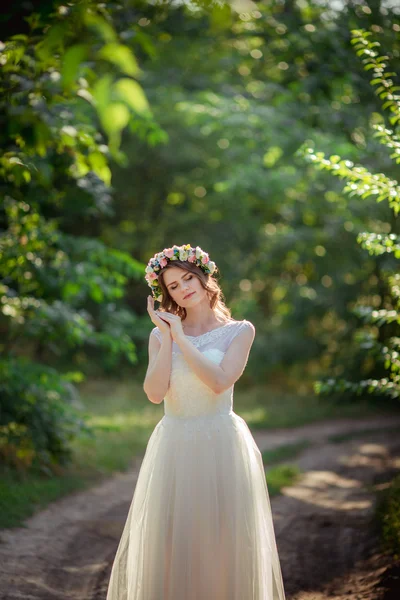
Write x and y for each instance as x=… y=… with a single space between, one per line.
x=211 y=285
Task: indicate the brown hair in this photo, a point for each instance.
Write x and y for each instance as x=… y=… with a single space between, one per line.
x=208 y=282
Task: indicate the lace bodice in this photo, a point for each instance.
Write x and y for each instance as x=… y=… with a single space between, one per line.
x=187 y=395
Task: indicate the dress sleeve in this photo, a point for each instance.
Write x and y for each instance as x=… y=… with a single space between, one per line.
x=235 y=331
x=157 y=333
x=242 y=325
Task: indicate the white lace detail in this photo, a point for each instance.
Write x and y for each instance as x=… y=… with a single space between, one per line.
x=204 y=338
x=187 y=395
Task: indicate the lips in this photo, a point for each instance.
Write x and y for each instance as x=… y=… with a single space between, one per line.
x=188 y=296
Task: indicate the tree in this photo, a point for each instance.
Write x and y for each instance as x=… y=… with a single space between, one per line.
x=379 y=340
x=69 y=89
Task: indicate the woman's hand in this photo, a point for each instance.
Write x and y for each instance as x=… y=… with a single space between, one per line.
x=154 y=316
x=174 y=323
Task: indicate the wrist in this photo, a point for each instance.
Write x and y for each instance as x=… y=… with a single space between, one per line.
x=181 y=339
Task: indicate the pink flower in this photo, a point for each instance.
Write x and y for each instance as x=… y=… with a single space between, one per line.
x=163 y=262
x=204 y=259
x=192 y=258
x=152 y=276
x=169 y=252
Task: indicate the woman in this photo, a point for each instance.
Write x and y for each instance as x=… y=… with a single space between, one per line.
x=199 y=526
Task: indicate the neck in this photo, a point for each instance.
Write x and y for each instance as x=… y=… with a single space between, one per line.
x=200 y=316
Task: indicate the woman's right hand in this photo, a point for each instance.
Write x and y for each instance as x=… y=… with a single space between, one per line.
x=162 y=325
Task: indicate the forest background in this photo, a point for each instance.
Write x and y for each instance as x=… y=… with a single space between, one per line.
x=130 y=126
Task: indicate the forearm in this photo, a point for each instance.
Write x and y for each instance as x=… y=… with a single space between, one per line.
x=206 y=370
x=157 y=378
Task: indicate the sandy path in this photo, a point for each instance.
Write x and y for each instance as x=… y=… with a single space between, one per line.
x=321 y=523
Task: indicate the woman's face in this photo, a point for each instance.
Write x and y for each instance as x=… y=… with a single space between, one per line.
x=180 y=283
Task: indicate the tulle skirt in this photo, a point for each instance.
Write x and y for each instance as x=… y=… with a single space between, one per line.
x=200 y=525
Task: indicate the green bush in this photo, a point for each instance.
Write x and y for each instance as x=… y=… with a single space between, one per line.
x=68 y=91
x=38 y=416
x=388 y=515
x=377 y=340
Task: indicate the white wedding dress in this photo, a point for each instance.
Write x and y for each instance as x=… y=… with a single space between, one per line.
x=200 y=525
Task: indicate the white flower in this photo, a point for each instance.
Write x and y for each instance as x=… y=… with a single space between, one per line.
x=149 y=269
x=211 y=265
x=199 y=252
x=183 y=254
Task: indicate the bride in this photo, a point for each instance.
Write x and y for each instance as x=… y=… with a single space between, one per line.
x=200 y=524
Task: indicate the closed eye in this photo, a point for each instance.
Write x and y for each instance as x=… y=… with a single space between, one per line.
x=188 y=279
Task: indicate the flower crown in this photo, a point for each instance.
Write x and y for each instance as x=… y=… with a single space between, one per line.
x=196 y=256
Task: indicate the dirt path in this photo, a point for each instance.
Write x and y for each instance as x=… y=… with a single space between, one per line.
x=321 y=523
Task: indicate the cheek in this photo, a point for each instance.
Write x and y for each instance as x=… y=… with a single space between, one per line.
x=198 y=287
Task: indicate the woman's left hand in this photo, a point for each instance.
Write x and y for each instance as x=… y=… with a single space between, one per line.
x=175 y=324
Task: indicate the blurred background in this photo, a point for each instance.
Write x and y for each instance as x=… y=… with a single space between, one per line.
x=264 y=132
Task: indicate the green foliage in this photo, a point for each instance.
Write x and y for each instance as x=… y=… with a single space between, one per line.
x=285 y=451
x=21 y=495
x=68 y=91
x=360 y=181
x=235 y=95
x=236 y=102
x=38 y=419
x=121 y=420
x=379 y=339
x=281 y=476
x=388 y=517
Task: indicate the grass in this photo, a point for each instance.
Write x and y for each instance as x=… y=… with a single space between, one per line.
x=281 y=476
x=388 y=517
x=123 y=420
x=266 y=408
x=22 y=496
x=285 y=451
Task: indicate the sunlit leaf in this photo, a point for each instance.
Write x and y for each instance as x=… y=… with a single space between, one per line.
x=114 y=117
x=71 y=63
x=132 y=93
x=102 y=91
x=101 y=26
x=122 y=56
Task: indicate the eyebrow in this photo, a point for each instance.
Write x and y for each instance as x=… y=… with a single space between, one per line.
x=176 y=281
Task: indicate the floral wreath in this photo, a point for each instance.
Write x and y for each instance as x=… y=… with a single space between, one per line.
x=196 y=256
